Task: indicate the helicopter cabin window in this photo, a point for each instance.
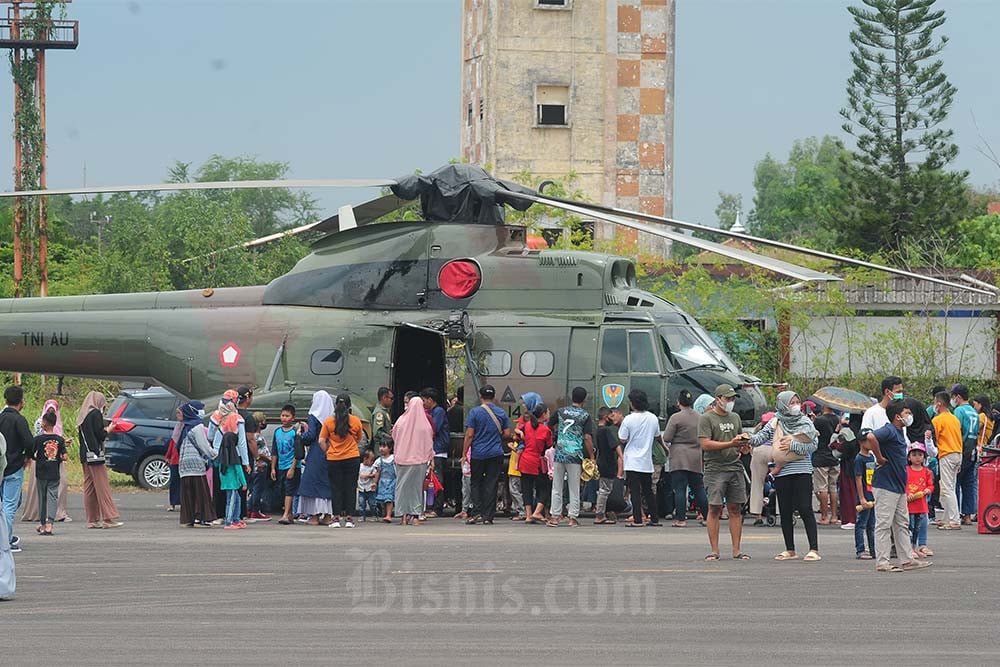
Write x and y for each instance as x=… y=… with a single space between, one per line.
x=326 y=362
x=494 y=363
x=641 y=354
x=551 y=106
x=614 y=352
x=537 y=363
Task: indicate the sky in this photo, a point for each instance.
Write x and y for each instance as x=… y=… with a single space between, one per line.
x=370 y=88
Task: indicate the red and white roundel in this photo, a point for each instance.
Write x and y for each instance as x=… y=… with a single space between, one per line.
x=229 y=355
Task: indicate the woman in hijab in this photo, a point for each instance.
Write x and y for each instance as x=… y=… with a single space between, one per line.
x=794 y=440
x=97 y=501
x=31 y=500
x=194 y=450
x=314 y=488
x=413 y=436
x=227 y=431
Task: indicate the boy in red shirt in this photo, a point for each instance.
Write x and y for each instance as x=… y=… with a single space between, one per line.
x=919 y=487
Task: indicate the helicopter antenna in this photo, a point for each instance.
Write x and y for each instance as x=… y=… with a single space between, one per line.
x=614 y=215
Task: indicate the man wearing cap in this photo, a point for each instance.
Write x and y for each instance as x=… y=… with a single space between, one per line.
x=720 y=434
x=486 y=429
x=968 y=484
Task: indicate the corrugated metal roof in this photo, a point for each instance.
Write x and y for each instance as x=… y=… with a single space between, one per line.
x=905 y=294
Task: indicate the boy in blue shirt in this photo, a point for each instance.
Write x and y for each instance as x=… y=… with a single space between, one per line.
x=864 y=471
x=892 y=514
x=286 y=452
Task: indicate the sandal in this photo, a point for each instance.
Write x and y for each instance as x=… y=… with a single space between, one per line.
x=888 y=568
x=517 y=518
x=552 y=524
x=741 y=556
x=925 y=551
x=916 y=565
x=95 y=525
x=786 y=555
x=601 y=521
x=864 y=555
x=40 y=530
x=679 y=524
x=712 y=557
x=812 y=556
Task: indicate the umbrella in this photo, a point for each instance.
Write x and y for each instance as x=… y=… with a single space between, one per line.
x=843 y=399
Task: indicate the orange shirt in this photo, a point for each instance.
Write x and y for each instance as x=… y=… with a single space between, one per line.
x=947 y=434
x=341 y=448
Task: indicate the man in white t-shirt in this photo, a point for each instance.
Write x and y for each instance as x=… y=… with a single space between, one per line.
x=637 y=433
x=875 y=417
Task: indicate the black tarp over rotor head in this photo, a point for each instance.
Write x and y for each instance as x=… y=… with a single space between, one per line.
x=462 y=193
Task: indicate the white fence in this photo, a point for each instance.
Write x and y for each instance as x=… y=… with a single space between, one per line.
x=912 y=345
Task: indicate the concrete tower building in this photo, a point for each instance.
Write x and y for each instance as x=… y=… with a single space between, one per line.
x=583 y=86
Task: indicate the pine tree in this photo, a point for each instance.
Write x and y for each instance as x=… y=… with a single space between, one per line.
x=898 y=98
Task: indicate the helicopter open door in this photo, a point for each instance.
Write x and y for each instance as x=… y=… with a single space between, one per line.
x=417 y=362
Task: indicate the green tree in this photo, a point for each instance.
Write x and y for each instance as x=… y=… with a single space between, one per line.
x=898 y=98
x=269 y=210
x=729 y=208
x=803 y=198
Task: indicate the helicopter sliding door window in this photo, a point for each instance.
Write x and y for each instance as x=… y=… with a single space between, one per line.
x=494 y=363
x=641 y=354
x=537 y=363
x=551 y=106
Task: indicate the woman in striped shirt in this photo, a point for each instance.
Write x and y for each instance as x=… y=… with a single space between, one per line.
x=793 y=433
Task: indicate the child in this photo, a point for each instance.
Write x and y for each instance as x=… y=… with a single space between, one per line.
x=261 y=473
x=285 y=456
x=50 y=451
x=609 y=460
x=919 y=487
x=466 y=487
x=864 y=469
x=385 y=479
x=366 y=484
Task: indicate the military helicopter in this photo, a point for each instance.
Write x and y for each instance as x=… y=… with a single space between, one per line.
x=378 y=304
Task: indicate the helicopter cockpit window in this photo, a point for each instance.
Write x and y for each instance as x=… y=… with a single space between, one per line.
x=614 y=352
x=537 y=363
x=684 y=349
x=494 y=363
x=641 y=354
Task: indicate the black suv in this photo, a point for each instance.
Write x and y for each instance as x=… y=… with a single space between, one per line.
x=143 y=422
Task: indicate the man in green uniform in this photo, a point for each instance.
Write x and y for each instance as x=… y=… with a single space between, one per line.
x=381 y=419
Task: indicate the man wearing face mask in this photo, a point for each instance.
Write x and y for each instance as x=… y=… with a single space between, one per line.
x=722 y=440
x=892 y=517
x=875 y=417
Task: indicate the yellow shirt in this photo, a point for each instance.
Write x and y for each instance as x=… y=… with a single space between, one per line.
x=947 y=434
x=985 y=430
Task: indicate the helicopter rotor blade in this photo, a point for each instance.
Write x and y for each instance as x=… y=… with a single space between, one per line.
x=364 y=214
x=597 y=210
x=212 y=185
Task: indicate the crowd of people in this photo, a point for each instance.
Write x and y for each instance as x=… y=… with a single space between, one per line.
x=885 y=473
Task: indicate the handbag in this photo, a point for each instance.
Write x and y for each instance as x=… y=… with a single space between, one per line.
x=92 y=457
x=589 y=470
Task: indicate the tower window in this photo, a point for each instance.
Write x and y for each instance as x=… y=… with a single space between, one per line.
x=468 y=115
x=552 y=106
x=553 y=4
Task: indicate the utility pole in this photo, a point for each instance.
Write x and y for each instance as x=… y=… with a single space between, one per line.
x=29 y=30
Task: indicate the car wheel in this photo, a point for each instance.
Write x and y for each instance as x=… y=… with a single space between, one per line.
x=154 y=473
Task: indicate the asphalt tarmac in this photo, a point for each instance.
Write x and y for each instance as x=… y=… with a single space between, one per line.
x=152 y=592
